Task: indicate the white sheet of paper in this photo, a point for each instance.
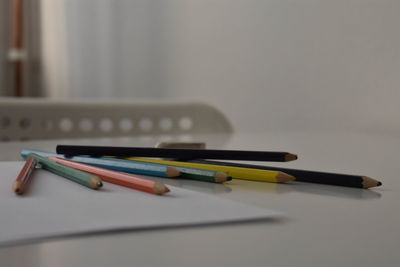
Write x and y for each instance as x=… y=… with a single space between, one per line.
x=54 y=206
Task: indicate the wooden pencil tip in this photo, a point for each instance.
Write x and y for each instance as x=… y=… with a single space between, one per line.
x=17 y=188
x=221 y=177
x=290 y=157
x=284 y=177
x=173 y=172
x=159 y=188
x=370 y=182
x=95 y=182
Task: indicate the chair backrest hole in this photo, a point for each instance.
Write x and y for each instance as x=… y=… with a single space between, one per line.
x=24 y=123
x=165 y=124
x=125 y=125
x=66 y=125
x=186 y=123
x=106 y=125
x=146 y=124
x=86 y=125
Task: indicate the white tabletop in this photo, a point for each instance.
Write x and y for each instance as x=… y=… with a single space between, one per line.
x=325 y=225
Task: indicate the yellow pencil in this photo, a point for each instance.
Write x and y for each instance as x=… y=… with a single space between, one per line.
x=234 y=172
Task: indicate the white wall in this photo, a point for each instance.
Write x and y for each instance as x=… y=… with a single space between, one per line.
x=268 y=64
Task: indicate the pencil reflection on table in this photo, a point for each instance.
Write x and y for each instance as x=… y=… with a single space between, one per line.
x=334 y=191
x=303 y=188
x=261 y=187
x=205 y=187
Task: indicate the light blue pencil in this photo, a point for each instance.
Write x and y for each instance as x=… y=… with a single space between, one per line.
x=120 y=165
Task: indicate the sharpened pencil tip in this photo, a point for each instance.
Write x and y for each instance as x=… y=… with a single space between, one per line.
x=17 y=188
x=370 y=182
x=229 y=178
x=290 y=157
x=99 y=184
x=284 y=177
x=159 y=188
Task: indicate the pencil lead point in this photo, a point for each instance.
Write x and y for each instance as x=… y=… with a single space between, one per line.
x=229 y=178
x=379 y=184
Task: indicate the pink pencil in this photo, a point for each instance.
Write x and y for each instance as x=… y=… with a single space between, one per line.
x=119 y=178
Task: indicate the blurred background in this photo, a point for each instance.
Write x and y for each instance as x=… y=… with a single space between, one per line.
x=267 y=64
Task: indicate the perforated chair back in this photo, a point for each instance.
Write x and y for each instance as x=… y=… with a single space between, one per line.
x=42 y=118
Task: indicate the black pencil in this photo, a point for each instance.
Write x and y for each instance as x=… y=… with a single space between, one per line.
x=176 y=153
x=309 y=176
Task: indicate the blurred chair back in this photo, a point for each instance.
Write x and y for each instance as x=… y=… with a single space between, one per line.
x=43 y=118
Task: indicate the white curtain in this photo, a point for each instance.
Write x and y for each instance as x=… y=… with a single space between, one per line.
x=104 y=48
x=54 y=49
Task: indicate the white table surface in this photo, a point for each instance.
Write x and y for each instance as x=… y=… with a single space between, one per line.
x=325 y=225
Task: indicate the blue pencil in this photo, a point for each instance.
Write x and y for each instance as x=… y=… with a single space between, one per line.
x=120 y=165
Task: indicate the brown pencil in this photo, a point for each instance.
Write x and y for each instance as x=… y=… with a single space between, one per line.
x=24 y=176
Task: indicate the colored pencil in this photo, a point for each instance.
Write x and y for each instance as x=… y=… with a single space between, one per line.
x=234 y=172
x=119 y=178
x=318 y=177
x=217 y=177
x=24 y=176
x=203 y=175
x=120 y=165
x=72 y=174
x=176 y=153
